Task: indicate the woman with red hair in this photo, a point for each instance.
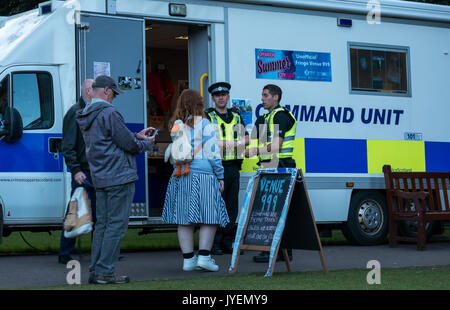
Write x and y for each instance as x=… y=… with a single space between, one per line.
x=194 y=198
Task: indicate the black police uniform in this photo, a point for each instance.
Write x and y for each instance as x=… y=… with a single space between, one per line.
x=223 y=240
x=285 y=122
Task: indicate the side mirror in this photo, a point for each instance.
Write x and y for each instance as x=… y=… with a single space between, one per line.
x=13 y=126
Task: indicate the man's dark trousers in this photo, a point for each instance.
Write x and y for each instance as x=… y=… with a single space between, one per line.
x=67 y=244
x=225 y=236
x=263 y=257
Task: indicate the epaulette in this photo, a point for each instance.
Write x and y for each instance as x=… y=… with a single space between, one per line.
x=235 y=110
x=209 y=110
x=289 y=113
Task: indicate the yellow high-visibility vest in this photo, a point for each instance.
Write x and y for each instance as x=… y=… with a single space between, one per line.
x=227 y=132
x=287 y=147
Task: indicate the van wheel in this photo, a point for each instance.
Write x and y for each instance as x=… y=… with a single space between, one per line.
x=409 y=229
x=367 y=222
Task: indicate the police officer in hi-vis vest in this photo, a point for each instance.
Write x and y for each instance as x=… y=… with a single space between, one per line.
x=232 y=138
x=272 y=140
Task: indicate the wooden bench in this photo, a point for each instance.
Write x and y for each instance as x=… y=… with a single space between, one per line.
x=421 y=197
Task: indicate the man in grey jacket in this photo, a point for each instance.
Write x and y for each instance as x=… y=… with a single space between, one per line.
x=110 y=150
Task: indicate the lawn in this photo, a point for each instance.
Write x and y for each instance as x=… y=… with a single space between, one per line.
x=420 y=278
x=423 y=278
x=38 y=242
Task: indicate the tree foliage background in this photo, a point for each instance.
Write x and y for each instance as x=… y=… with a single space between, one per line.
x=11 y=7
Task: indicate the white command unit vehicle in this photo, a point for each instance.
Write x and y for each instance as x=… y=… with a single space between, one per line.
x=367 y=82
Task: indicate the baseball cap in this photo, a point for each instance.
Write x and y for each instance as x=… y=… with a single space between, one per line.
x=102 y=81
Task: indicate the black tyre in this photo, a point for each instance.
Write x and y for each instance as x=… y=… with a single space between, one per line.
x=367 y=222
x=409 y=229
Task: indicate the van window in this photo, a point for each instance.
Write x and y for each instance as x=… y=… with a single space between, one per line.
x=378 y=70
x=33 y=98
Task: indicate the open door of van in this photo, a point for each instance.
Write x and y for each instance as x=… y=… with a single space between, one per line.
x=199 y=56
x=115 y=46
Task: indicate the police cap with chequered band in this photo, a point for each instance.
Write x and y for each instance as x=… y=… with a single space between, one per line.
x=220 y=87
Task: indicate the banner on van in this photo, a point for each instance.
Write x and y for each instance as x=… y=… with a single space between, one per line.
x=293 y=65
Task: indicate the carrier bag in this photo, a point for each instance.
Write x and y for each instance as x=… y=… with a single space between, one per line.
x=79 y=218
x=180 y=150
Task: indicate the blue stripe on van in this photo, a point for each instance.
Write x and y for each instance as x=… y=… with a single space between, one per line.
x=29 y=154
x=335 y=155
x=139 y=196
x=437 y=156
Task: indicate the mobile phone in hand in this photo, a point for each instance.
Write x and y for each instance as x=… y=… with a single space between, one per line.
x=154 y=133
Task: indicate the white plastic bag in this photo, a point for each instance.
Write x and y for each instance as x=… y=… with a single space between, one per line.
x=79 y=219
x=180 y=150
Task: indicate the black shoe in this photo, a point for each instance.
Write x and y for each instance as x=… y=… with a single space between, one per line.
x=281 y=256
x=227 y=249
x=216 y=250
x=262 y=257
x=64 y=259
x=91 y=277
x=98 y=279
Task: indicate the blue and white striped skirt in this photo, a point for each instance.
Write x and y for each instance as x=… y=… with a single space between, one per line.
x=194 y=199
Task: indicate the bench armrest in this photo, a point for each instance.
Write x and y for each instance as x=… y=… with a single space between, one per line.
x=418 y=198
x=409 y=195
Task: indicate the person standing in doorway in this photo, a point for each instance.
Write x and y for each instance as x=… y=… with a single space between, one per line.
x=274 y=133
x=232 y=139
x=74 y=152
x=110 y=150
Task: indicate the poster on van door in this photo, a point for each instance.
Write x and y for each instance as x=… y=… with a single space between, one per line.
x=293 y=65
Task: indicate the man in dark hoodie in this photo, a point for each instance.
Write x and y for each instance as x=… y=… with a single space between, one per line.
x=110 y=150
x=74 y=152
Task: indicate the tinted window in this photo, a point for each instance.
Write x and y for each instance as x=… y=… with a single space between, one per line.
x=33 y=98
x=378 y=70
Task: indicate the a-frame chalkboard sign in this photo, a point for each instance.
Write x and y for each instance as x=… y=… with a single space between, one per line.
x=276 y=213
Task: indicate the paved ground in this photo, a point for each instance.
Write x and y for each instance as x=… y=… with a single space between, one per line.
x=43 y=270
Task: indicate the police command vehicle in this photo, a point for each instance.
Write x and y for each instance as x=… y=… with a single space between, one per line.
x=367 y=82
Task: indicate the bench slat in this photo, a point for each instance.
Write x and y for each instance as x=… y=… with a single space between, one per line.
x=413 y=184
x=444 y=189
x=421 y=185
x=438 y=206
x=398 y=201
x=430 y=190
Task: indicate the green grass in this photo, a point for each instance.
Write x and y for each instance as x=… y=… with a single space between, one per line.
x=428 y=278
x=45 y=242
x=423 y=278
x=49 y=243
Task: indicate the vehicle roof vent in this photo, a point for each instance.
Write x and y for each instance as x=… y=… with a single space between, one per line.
x=49 y=6
x=45 y=8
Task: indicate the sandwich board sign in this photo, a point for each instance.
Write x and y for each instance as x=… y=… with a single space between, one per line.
x=276 y=212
